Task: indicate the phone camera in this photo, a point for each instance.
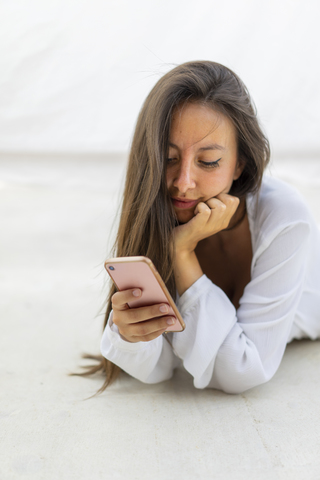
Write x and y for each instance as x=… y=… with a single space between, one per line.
x=111 y=268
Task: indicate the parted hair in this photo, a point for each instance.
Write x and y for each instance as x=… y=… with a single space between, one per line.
x=147 y=218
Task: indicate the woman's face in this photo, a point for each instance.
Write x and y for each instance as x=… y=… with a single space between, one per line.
x=202 y=158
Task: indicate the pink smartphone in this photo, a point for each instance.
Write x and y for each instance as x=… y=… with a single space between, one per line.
x=139 y=272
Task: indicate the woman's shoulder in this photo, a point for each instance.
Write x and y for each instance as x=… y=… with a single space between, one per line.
x=276 y=207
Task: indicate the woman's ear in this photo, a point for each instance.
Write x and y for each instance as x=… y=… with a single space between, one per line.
x=239 y=167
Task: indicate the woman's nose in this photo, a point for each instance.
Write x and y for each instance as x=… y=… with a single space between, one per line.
x=184 y=180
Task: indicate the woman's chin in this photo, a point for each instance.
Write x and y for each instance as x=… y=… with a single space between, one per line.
x=184 y=216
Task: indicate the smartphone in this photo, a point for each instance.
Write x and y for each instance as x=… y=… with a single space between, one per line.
x=140 y=272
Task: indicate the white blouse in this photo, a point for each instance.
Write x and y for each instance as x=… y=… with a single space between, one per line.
x=234 y=350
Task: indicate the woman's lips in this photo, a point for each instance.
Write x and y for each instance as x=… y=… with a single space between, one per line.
x=183 y=204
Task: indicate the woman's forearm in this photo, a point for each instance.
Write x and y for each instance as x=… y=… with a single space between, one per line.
x=187 y=270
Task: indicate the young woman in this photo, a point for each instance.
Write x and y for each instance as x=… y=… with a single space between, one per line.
x=239 y=252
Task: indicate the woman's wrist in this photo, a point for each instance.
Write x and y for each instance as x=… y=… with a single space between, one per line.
x=187 y=270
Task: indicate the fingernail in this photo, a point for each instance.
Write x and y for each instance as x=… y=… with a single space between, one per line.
x=136 y=293
x=171 y=321
x=163 y=309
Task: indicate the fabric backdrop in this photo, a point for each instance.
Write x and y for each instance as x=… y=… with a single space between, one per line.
x=74 y=73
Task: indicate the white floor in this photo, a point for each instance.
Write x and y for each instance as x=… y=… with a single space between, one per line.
x=56 y=215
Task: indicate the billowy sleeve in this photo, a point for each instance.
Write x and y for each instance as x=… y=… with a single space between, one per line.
x=221 y=347
x=234 y=350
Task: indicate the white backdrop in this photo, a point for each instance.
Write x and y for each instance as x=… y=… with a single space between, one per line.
x=74 y=73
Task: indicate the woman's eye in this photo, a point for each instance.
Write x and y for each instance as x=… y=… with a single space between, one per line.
x=210 y=164
x=171 y=159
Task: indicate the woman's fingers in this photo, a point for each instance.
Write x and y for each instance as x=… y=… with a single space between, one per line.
x=120 y=302
x=223 y=207
x=136 y=315
x=145 y=331
x=214 y=215
x=121 y=299
x=142 y=323
x=224 y=202
x=230 y=201
x=202 y=208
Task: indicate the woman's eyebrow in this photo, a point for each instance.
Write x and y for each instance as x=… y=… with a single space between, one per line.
x=212 y=146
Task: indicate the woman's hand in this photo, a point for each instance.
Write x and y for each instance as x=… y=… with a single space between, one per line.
x=140 y=324
x=210 y=217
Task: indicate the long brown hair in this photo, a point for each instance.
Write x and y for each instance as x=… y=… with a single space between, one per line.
x=147 y=218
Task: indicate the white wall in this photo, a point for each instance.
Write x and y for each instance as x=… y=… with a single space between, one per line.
x=74 y=73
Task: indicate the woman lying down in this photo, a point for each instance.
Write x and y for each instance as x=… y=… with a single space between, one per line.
x=239 y=251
